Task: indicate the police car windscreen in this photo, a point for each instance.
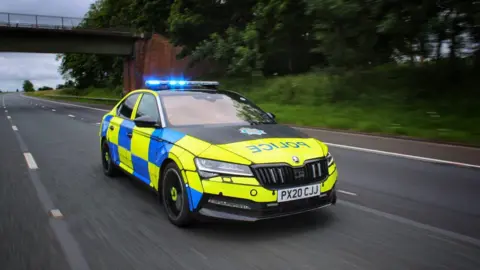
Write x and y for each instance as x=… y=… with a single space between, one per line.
x=205 y=109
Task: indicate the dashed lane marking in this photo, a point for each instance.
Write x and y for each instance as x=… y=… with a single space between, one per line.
x=69 y=244
x=69 y=104
x=14 y=128
x=347 y=192
x=55 y=213
x=53 y=110
x=9 y=117
x=70 y=115
x=30 y=161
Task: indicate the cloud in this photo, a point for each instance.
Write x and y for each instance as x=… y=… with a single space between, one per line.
x=41 y=69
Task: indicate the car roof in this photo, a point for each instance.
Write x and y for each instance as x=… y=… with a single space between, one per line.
x=187 y=92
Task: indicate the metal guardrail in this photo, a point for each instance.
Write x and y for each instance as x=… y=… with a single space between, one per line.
x=87 y=98
x=17 y=20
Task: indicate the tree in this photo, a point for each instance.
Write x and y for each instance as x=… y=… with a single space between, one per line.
x=44 y=88
x=286 y=36
x=107 y=71
x=28 y=86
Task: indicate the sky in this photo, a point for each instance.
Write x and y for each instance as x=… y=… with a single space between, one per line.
x=41 y=69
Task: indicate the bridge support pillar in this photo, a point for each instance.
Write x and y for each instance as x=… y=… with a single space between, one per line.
x=156 y=58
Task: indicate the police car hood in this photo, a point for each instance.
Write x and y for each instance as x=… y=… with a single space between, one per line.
x=261 y=143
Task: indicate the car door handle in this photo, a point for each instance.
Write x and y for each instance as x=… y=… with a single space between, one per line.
x=112 y=128
x=129 y=135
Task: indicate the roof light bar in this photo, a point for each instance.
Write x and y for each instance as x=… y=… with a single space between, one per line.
x=181 y=82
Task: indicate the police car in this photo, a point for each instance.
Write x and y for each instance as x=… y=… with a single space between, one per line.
x=215 y=153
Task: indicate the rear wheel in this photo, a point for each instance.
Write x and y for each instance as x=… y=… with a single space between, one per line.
x=175 y=197
x=109 y=167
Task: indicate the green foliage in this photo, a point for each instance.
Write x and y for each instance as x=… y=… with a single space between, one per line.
x=106 y=71
x=284 y=37
x=28 y=86
x=191 y=22
x=44 y=88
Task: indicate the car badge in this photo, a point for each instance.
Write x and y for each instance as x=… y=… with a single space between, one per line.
x=252 y=131
x=295 y=159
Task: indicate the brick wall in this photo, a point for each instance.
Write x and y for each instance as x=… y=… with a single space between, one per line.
x=156 y=57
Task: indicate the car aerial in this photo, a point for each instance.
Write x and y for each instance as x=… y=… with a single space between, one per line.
x=215 y=153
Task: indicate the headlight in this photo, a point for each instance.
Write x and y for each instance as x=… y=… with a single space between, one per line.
x=330 y=159
x=210 y=168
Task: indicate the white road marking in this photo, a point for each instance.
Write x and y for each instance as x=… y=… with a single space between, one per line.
x=69 y=104
x=9 y=117
x=55 y=213
x=70 y=115
x=30 y=161
x=378 y=137
x=379 y=152
x=347 y=192
x=98 y=124
x=6 y=110
x=53 y=110
x=43 y=106
x=416 y=224
x=14 y=128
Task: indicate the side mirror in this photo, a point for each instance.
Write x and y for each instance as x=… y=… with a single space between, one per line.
x=271 y=115
x=146 y=121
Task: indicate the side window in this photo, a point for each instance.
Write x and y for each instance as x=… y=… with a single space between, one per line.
x=126 y=108
x=148 y=106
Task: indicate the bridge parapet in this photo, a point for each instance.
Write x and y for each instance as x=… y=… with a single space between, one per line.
x=17 y=20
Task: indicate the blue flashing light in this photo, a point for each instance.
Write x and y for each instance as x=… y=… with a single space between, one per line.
x=153 y=82
x=173 y=84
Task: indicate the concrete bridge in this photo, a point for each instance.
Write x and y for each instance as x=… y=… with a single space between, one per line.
x=146 y=55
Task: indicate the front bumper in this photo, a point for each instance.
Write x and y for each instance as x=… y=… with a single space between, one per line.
x=242 y=198
x=246 y=210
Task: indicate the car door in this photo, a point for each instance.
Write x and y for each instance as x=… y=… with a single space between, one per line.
x=145 y=148
x=121 y=131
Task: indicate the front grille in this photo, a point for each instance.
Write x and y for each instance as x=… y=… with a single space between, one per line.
x=282 y=176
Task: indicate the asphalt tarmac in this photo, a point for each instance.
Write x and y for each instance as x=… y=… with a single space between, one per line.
x=394 y=212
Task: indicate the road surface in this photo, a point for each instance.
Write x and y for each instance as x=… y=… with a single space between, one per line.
x=394 y=212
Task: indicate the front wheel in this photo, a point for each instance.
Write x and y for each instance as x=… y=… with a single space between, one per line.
x=175 y=196
x=109 y=168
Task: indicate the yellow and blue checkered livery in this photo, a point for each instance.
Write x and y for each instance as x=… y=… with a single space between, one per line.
x=283 y=171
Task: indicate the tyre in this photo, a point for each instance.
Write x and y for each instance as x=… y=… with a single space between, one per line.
x=109 y=167
x=175 y=196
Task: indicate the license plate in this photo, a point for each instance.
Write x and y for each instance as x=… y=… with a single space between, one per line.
x=297 y=193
